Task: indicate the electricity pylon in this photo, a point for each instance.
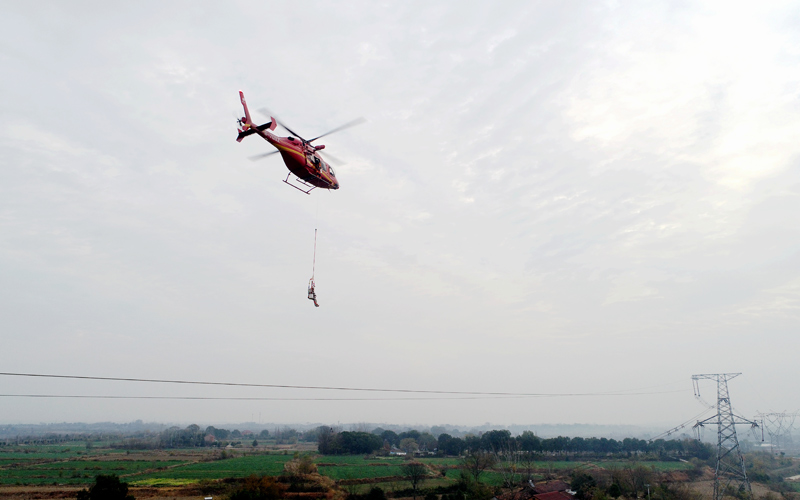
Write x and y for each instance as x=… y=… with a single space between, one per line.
x=779 y=426
x=730 y=463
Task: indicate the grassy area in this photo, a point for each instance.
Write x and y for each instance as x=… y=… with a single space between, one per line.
x=118 y=467
x=163 y=482
x=658 y=466
x=74 y=464
x=271 y=465
x=361 y=472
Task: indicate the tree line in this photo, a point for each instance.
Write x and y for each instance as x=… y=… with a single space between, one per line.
x=331 y=441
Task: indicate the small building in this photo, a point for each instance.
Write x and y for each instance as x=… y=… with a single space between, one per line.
x=552 y=490
x=550 y=486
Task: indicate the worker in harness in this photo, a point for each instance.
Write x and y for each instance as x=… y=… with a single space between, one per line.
x=312 y=295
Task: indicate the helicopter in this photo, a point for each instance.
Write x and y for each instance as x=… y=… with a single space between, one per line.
x=300 y=156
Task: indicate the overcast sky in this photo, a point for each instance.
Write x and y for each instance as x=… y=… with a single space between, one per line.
x=547 y=197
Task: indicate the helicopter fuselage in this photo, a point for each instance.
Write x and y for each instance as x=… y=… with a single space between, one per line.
x=300 y=156
x=302 y=160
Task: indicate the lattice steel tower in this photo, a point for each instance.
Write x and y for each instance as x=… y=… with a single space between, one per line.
x=730 y=476
x=779 y=426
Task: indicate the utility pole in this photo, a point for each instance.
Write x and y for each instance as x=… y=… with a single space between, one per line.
x=730 y=470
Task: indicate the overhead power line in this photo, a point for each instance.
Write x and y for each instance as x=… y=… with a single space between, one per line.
x=683 y=425
x=223 y=398
x=333 y=388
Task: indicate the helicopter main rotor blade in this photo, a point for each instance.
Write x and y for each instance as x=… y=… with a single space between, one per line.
x=332 y=159
x=262 y=155
x=270 y=114
x=357 y=121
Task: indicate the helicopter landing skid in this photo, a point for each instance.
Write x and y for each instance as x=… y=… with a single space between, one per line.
x=301 y=181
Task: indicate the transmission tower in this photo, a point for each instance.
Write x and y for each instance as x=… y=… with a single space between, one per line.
x=779 y=426
x=729 y=473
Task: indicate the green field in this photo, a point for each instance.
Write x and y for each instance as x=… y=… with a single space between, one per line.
x=264 y=464
x=63 y=464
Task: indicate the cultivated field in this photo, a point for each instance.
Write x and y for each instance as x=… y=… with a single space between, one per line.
x=66 y=465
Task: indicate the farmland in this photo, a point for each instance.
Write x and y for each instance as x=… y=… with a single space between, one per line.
x=75 y=465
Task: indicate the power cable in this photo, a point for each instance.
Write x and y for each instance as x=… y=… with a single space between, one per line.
x=222 y=398
x=333 y=388
x=681 y=426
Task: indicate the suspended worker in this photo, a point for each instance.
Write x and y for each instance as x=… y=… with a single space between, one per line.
x=312 y=295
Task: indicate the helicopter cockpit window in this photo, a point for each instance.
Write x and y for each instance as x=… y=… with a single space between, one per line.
x=330 y=171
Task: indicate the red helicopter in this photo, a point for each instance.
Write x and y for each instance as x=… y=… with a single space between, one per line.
x=301 y=157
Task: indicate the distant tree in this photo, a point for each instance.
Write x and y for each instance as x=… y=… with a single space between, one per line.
x=528 y=441
x=236 y=434
x=635 y=477
x=106 y=487
x=359 y=442
x=255 y=443
x=495 y=441
x=614 y=491
x=286 y=435
x=508 y=462
x=413 y=434
x=409 y=445
x=390 y=437
x=582 y=484
x=375 y=493
x=175 y=437
x=264 y=434
x=326 y=441
x=469 y=489
x=527 y=462
x=427 y=442
x=331 y=442
x=476 y=463
x=217 y=433
x=472 y=443
x=415 y=473
x=449 y=445
x=310 y=435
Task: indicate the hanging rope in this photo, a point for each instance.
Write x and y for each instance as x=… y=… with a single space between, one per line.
x=314 y=264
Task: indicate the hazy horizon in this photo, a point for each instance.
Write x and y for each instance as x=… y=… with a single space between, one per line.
x=617 y=431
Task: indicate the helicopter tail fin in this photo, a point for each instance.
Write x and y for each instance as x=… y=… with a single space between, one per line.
x=247 y=125
x=247 y=120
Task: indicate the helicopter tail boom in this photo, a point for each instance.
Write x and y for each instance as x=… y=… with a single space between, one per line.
x=248 y=127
